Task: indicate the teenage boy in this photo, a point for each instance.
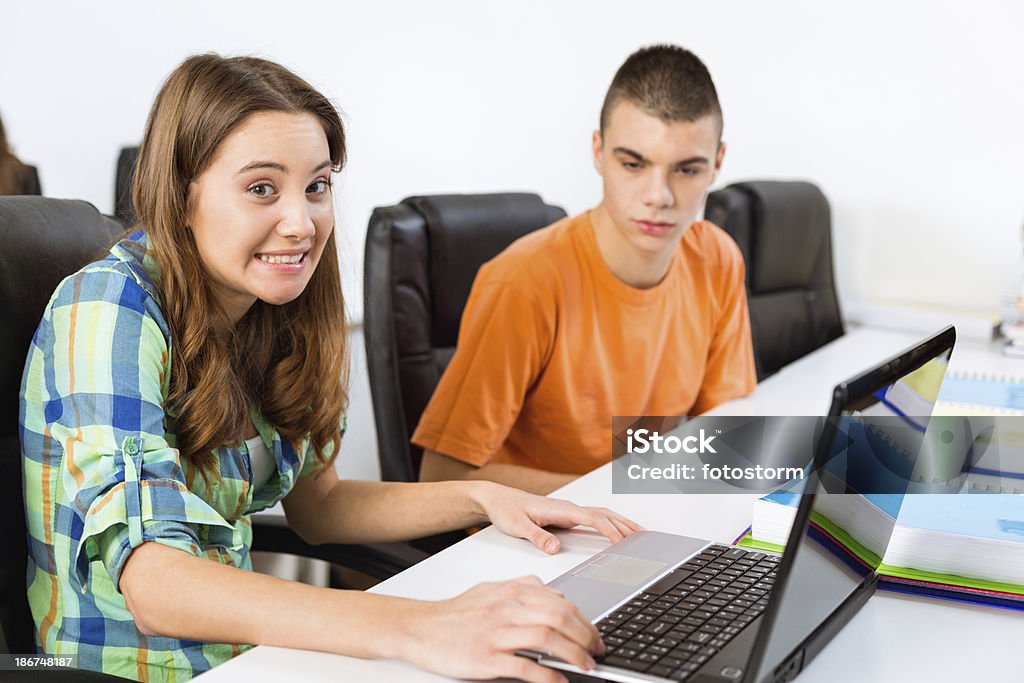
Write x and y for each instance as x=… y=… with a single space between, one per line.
x=632 y=308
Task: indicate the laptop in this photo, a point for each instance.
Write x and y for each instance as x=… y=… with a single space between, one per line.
x=672 y=607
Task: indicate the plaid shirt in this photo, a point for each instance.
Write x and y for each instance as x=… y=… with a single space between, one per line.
x=102 y=474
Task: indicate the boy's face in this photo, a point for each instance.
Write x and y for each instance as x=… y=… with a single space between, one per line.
x=656 y=174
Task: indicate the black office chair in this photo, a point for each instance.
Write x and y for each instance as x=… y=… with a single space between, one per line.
x=32 y=184
x=44 y=241
x=784 y=230
x=26 y=181
x=421 y=258
x=124 y=210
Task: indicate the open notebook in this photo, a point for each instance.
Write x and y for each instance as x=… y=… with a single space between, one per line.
x=966 y=546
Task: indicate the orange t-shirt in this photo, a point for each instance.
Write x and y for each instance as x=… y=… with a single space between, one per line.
x=552 y=345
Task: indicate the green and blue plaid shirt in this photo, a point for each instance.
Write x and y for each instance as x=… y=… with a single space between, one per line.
x=102 y=474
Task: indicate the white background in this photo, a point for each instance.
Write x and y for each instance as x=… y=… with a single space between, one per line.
x=909 y=115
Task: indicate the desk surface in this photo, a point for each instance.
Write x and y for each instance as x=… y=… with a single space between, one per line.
x=894 y=636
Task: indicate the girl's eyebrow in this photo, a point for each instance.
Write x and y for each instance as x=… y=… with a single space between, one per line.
x=279 y=167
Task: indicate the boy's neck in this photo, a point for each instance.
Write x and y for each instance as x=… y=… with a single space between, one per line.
x=639 y=269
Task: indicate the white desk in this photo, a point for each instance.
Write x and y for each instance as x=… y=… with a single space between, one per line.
x=805 y=387
x=893 y=637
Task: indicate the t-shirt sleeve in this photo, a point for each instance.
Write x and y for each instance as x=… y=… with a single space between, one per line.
x=97 y=366
x=504 y=340
x=730 y=371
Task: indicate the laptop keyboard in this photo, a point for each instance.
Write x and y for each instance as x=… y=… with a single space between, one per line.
x=684 y=619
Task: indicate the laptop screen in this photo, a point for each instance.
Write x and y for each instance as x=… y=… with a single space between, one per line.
x=879 y=423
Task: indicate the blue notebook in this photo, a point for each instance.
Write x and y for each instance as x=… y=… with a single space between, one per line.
x=980 y=515
x=994 y=516
x=1006 y=393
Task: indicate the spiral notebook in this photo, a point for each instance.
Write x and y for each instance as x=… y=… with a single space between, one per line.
x=994 y=393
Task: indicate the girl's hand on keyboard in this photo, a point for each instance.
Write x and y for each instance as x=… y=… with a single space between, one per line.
x=477 y=634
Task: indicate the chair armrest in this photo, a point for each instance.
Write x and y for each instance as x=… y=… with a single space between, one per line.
x=59 y=676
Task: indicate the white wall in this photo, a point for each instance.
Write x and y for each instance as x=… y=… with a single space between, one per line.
x=358 y=456
x=908 y=114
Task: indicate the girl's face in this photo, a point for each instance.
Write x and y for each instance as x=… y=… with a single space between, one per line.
x=262 y=211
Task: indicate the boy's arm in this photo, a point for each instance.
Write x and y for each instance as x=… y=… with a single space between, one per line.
x=504 y=343
x=730 y=369
x=439 y=467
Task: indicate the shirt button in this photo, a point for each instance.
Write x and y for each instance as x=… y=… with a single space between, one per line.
x=130 y=448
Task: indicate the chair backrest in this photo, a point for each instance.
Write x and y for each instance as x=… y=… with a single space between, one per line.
x=421 y=258
x=124 y=209
x=44 y=240
x=32 y=184
x=784 y=230
x=26 y=180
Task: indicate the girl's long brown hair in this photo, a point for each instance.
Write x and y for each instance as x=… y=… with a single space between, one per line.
x=289 y=361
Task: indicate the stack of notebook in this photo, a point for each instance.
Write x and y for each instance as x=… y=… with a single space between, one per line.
x=962 y=546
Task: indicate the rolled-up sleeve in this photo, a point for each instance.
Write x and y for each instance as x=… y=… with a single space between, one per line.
x=98 y=369
x=134 y=505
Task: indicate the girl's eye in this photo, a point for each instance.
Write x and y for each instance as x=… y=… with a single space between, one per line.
x=262 y=189
x=319 y=186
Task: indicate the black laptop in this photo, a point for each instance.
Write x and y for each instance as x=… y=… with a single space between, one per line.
x=671 y=607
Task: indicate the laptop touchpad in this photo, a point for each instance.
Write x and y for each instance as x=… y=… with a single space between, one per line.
x=630 y=571
x=606 y=579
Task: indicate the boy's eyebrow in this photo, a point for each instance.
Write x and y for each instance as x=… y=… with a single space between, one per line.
x=640 y=157
x=692 y=160
x=279 y=167
x=628 y=152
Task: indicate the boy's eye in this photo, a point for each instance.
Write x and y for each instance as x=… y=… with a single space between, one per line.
x=262 y=189
x=631 y=165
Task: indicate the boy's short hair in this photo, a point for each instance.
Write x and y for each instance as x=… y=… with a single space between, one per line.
x=666 y=81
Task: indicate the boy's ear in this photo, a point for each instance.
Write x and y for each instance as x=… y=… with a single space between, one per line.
x=597 y=145
x=719 y=157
